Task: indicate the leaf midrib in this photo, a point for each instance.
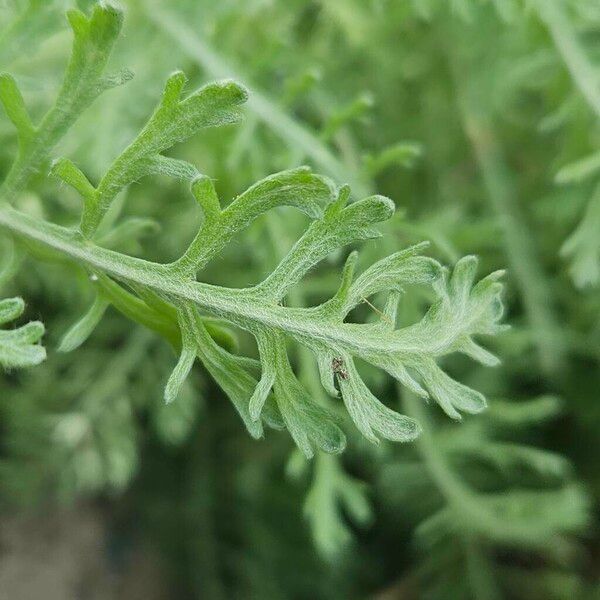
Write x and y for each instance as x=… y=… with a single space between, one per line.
x=242 y=307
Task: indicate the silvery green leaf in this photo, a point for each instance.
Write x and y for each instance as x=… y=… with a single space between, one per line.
x=93 y=40
x=81 y=330
x=19 y=347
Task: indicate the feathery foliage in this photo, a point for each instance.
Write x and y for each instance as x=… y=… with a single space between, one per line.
x=311 y=306
x=167 y=298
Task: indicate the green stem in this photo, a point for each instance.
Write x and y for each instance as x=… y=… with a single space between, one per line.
x=584 y=74
x=243 y=307
x=517 y=239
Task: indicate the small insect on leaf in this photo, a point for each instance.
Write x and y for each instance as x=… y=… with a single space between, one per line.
x=337 y=366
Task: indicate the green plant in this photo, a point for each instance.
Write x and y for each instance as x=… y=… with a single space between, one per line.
x=168 y=299
x=479 y=118
x=487 y=492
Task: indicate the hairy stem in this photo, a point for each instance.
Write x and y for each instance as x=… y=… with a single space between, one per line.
x=241 y=307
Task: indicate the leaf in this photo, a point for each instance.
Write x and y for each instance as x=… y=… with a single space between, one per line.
x=299 y=188
x=462 y=310
x=340 y=225
x=391 y=273
x=229 y=371
x=174 y=120
x=522 y=414
x=266 y=349
x=81 y=330
x=311 y=426
x=370 y=416
x=508 y=457
x=180 y=372
x=93 y=40
x=175 y=422
x=14 y=105
x=333 y=492
x=403 y=154
x=451 y=395
x=19 y=347
x=536 y=518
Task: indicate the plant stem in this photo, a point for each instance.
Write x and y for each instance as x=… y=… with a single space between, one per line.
x=517 y=239
x=584 y=74
x=242 y=307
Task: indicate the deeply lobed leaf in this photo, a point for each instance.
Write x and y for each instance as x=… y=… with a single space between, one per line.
x=167 y=299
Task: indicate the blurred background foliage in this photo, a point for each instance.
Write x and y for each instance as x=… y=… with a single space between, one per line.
x=480 y=119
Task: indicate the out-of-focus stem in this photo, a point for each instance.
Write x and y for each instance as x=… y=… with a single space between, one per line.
x=583 y=73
